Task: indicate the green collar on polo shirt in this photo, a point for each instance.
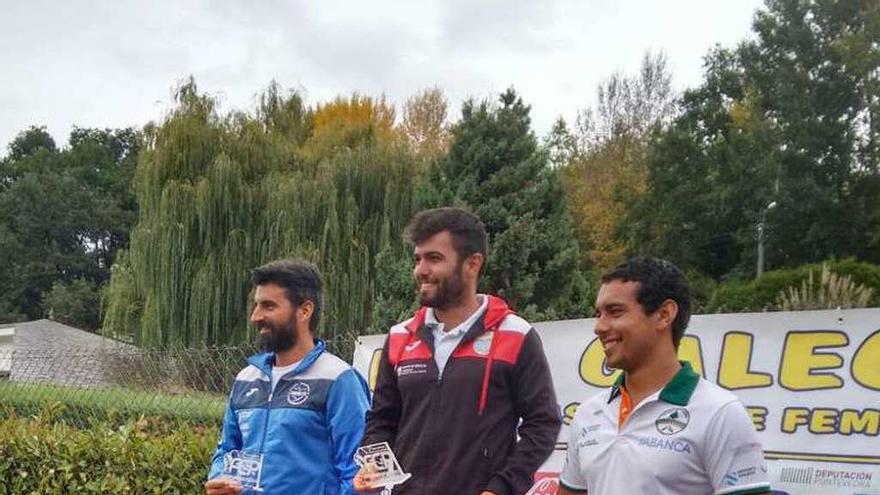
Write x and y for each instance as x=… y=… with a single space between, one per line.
x=678 y=391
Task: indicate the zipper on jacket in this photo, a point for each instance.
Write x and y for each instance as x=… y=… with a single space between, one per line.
x=266 y=422
x=439 y=405
x=269 y=409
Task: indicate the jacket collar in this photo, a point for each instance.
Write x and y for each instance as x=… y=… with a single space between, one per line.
x=496 y=311
x=266 y=360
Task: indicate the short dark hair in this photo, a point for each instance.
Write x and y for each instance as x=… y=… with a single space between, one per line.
x=300 y=279
x=659 y=280
x=467 y=231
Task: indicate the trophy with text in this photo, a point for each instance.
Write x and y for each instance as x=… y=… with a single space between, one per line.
x=380 y=457
x=244 y=467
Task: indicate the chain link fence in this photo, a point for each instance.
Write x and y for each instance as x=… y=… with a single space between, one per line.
x=120 y=382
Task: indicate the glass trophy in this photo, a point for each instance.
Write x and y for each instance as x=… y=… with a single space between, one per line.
x=380 y=456
x=244 y=467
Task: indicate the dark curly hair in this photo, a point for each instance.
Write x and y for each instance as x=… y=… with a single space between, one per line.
x=659 y=280
x=467 y=231
x=300 y=279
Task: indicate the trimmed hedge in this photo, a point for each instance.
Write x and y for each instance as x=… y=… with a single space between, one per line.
x=760 y=294
x=148 y=456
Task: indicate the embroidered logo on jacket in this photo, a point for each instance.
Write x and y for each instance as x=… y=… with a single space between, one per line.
x=409 y=347
x=298 y=394
x=483 y=343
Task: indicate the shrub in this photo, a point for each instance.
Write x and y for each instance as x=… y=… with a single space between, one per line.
x=146 y=456
x=761 y=294
x=702 y=287
x=828 y=292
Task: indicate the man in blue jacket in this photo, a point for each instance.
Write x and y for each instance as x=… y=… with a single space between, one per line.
x=296 y=407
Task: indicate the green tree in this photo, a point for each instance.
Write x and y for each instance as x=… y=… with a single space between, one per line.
x=30 y=141
x=42 y=216
x=561 y=144
x=709 y=174
x=787 y=118
x=815 y=69
x=77 y=303
x=63 y=213
x=220 y=195
x=104 y=162
x=496 y=169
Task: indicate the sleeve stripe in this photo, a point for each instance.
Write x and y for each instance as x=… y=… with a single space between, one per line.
x=749 y=490
x=570 y=488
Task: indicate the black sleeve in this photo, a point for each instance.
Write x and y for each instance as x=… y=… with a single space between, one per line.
x=384 y=415
x=536 y=406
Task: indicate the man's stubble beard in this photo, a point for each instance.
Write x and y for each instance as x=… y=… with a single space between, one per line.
x=279 y=338
x=449 y=293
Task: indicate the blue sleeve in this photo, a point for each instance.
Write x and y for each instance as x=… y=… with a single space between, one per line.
x=230 y=439
x=347 y=407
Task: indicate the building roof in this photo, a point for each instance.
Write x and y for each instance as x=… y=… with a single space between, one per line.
x=48 y=351
x=50 y=335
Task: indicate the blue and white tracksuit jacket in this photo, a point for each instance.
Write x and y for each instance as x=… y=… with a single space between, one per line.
x=307 y=429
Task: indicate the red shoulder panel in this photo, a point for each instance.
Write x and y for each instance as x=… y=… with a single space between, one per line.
x=406 y=346
x=505 y=346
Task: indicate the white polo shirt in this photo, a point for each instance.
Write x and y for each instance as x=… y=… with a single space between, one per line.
x=691 y=437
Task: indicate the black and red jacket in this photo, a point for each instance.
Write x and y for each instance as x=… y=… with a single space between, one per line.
x=457 y=434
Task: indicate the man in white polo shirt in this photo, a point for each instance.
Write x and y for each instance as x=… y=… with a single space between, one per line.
x=661 y=429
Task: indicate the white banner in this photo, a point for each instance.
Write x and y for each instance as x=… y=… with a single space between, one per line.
x=810 y=381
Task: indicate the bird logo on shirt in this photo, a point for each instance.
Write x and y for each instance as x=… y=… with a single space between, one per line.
x=672 y=421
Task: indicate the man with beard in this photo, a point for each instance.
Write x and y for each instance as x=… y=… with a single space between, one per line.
x=296 y=407
x=463 y=395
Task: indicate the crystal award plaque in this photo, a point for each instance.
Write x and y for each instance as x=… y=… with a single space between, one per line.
x=244 y=467
x=380 y=456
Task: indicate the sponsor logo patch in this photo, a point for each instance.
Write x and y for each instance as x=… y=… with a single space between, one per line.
x=669 y=444
x=483 y=343
x=827 y=477
x=412 y=369
x=586 y=436
x=842 y=478
x=672 y=421
x=796 y=475
x=298 y=393
x=244 y=424
x=735 y=477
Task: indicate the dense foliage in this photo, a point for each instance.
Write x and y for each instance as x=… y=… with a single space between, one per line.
x=144 y=456
x=63 y=216
x=781 y=137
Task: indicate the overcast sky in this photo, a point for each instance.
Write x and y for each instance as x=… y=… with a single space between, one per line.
x=114 y=63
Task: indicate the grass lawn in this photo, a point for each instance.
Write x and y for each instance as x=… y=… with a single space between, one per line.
x=82 y=404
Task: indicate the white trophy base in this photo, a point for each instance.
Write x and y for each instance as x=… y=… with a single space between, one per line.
x=391 y=480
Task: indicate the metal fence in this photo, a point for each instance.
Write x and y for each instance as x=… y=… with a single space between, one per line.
x=84 y=385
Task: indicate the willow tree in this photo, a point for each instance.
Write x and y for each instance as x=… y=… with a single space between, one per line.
x=220 y=194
